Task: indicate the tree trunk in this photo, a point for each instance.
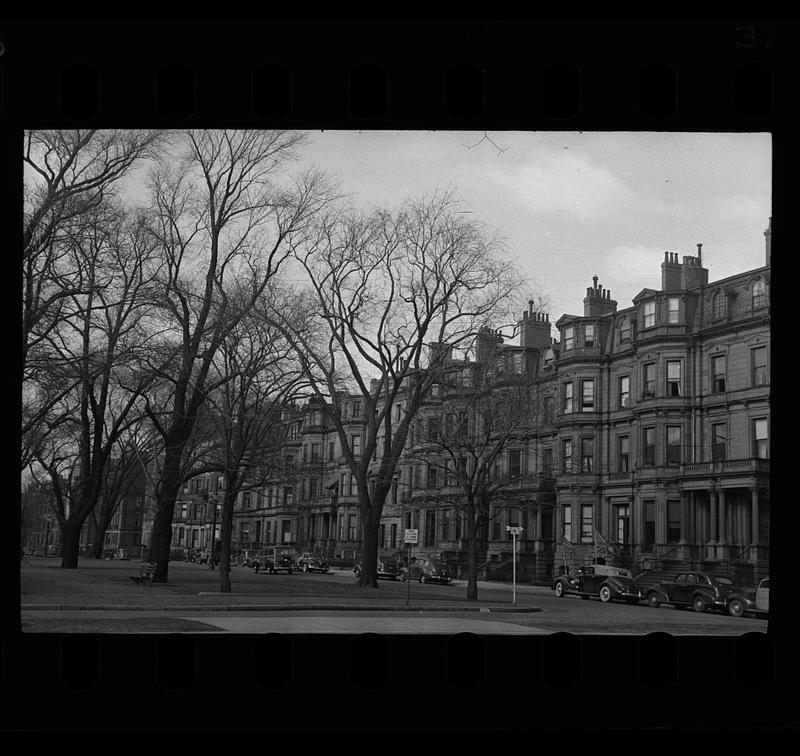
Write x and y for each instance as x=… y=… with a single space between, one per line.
x=70 y=543
x=472 y=553
x=226 y=531
x=369 y=557
x=100 y=535
x=161 y=536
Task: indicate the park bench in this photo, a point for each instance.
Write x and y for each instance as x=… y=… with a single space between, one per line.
x=145 y=576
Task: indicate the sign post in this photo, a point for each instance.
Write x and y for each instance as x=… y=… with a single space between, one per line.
x=409 y=537
x=514 y=533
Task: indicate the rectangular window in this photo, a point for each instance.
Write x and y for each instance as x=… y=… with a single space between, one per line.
x=719 y=441
x=624 y=391
x=648 y=447
x=566 y=455
x=181 y=533
x=433 y=429
x=587 y=395
x=547 y=462
x=623 y=453
x=433 y=475
x=673 y=444
x=547 y=409
x=718 y=373
x=246 y=498
x=429 y=536
x=761 y=438
x=587 y=454
x=567 y=532
x=673 y=309
x=649 y=311
x=356 y=408
x=569 y=337
x=343 y=485
x=588 y=338
x=331 y=450
x=393 y=535
x=496 y=529
x=514 y=464
x=649 y=523
x=315 y=452
x=673 y=520
x=567 y=405
x=449 y=478
x=351 y=527
x=355 y=444
x=673 y=378
x=587 y=529
x=649 y=380
x=759 y=366
x=286 y=531
x=313 y=488
x=184 y=511
x=444 y=525
x=625 y=331
x=623 y=523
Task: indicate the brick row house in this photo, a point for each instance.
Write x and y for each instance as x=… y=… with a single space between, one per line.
x=645 y=442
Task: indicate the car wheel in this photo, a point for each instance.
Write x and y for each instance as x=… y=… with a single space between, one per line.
x=357 y=572
x=652 y=600
x=560 y=590
x=423 y=579
x=699 y=604
x=736 y=608
x=605 y=594
x=305 y=568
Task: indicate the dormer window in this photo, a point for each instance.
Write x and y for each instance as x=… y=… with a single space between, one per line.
x=649 y=311
x=569 y=337
x=588 y=337
x=673 y=309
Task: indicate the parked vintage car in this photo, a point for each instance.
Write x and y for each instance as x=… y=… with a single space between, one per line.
x=387 y=569
x=699 y=590
x=271 y=561
x=428 y=571
x=755 y=602
x=307 y=562
x=602 y=581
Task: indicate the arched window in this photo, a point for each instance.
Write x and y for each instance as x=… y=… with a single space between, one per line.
x=718 y=305
x=759 y=294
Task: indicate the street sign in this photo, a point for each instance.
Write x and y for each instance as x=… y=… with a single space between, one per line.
x=513 y=531
x=410 y=536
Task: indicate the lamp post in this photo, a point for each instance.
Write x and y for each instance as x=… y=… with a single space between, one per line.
x=515 y=531
x=213 y=501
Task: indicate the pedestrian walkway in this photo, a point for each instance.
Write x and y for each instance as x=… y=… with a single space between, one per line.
x=107 y=585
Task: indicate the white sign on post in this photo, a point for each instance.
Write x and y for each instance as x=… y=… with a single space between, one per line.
x=410 y=536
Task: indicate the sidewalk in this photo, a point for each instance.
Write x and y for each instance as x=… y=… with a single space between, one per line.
x=107 y=585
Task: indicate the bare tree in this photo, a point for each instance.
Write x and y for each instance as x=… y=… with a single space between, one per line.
x=463 y=434
x=386 y=285
x=225 y=218
x=96 y=344
x=259 y=377
x=68 y=175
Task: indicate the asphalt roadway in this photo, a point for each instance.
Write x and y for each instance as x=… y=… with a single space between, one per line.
x=100 y=597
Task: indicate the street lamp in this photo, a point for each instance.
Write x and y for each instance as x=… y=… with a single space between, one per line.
x=213 y=501
x=515 y=531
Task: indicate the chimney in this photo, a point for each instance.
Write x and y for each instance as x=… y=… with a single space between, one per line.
x=693 y=274
x=534 y=330
x=439 y=351
x=670 y=272
x=486 y=343
x=597 y=301
x=768 y=237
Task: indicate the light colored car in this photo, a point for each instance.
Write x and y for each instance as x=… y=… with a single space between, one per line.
x=755 y=602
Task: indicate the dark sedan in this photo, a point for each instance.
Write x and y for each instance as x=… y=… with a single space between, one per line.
x=600 y=581
x=699 y=590
x=386 y=569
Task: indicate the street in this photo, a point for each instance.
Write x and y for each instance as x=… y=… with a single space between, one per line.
x=100 y=598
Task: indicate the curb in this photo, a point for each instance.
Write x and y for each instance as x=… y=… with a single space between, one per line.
x=268 y=608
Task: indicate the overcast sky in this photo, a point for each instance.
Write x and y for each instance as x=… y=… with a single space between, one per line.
x=571 y=205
